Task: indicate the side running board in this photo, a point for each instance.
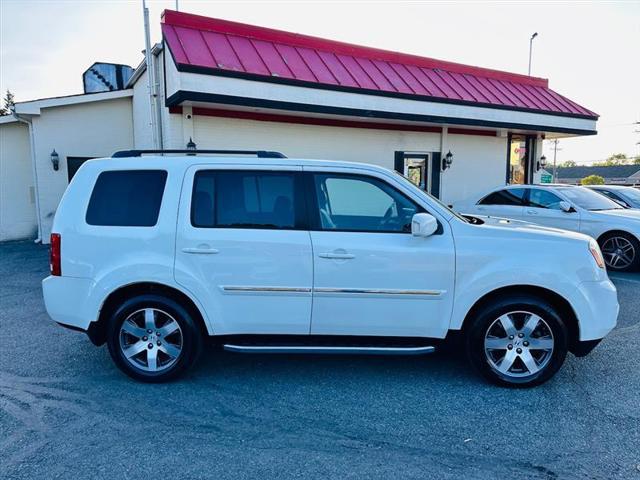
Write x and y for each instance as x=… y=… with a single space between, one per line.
x=348 y=350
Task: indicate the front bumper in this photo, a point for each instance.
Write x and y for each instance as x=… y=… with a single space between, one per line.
x=598 y=310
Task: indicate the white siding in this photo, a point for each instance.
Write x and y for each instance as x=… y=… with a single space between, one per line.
x=94 y=129
x=311 y=141
x=142 y=114
x=479 y=164
x=479 y=161
x=17 y=197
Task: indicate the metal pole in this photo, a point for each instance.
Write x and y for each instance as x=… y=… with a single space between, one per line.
x=151 y=77
x=177 y=6
x=555 y=153
x=531 y=49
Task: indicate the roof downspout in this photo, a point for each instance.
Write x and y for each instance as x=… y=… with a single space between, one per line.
x=32 y=145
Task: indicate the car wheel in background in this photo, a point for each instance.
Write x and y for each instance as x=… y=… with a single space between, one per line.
x=621 y=251
x=152 y=338
x=518 y=342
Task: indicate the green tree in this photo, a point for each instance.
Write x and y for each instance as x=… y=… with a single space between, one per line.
x=568 y=164
x=636 y=160
x=592 y=180
x=8 y=103
x=614 y=159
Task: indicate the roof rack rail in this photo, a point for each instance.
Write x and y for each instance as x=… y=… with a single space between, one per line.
x=257 y=153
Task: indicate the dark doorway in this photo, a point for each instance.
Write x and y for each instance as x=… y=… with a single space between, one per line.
x=74 y=163
x=422 y=169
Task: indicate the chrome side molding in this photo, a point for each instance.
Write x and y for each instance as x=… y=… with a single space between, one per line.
x=329 y=291
x=329 y=350
x=378 y=291
x=250 y=289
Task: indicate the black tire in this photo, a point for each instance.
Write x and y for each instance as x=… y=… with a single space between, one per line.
x=608 y=248
x=485 y=320
x=190 y=338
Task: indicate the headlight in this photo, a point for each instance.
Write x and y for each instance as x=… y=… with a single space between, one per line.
x=597 y=254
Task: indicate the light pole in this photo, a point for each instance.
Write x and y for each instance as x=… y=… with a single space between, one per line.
x=530 y=50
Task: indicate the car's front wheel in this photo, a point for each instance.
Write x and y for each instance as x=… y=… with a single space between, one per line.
x=152 y=338
x=519 y=342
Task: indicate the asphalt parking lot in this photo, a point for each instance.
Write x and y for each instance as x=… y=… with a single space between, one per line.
x=67 y=412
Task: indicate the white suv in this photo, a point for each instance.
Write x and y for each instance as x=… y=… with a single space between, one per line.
x=151 y=254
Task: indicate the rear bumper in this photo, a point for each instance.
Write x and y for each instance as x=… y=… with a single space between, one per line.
x=65 y=299
x=598 y=314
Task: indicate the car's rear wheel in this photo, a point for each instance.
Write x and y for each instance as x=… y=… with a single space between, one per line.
x=621 y=251
x=518 y=342
x=152 y=338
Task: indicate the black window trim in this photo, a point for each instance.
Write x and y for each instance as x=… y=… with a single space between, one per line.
x=525 y=196
x=301 y=221
x=314 y=209
x=121 y=170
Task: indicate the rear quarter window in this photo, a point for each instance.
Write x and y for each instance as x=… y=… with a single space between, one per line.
x=514 y=197
x=127 y=198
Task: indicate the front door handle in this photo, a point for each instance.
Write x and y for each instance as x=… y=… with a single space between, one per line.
x=200 y=250
x=340 y=256
x=532 y=212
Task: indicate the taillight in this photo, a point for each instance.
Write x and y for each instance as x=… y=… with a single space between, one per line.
x=54 y=255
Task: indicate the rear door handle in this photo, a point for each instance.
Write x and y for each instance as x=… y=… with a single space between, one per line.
x=342 y=256
x=532 y=212
x=200 y=250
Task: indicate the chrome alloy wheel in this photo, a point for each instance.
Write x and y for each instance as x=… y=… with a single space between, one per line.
x=518 y=344
x=618 y=252
x=151 y=340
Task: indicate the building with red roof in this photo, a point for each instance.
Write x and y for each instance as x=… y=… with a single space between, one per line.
x=228 y=85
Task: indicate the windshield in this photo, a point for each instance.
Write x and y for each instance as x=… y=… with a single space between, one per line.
x=631 y=193
x=588 y=199
x=413 y=187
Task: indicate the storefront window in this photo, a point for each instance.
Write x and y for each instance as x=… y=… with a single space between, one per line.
x=518 y=160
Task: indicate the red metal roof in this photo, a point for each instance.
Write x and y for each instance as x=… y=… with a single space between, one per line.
x=215 y=46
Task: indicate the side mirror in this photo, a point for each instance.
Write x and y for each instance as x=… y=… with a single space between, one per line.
x=566 y=207
x=423 y=225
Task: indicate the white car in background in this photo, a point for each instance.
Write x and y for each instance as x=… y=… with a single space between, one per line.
x=569 y=207
x=628 y=197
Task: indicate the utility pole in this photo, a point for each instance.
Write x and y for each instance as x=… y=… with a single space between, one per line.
x=531 y=49
x=177 y=6
x=151 y=82
x=555 y=142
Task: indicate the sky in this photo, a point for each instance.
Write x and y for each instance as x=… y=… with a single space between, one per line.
x=589 y=51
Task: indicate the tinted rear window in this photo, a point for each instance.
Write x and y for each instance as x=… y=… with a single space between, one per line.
x=505 y=197
x=246 y=199
x=127 y=198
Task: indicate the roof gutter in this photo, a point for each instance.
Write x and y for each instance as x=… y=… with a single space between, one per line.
x=32 y=145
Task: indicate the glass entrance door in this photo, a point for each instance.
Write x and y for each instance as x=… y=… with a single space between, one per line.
x=519 y=159
x=416 y=169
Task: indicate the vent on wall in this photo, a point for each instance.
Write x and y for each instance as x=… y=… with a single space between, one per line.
x=106 y=77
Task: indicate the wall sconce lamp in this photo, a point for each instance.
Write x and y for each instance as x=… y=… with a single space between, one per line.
x=447 y=161
x=191 y=145
x=542 y=162
x=55 y=160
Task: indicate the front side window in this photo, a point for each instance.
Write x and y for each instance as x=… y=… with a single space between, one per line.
x=127 y=198
x=243 y=199
x=539 y=198
x=513 y=197
x=361 y=204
